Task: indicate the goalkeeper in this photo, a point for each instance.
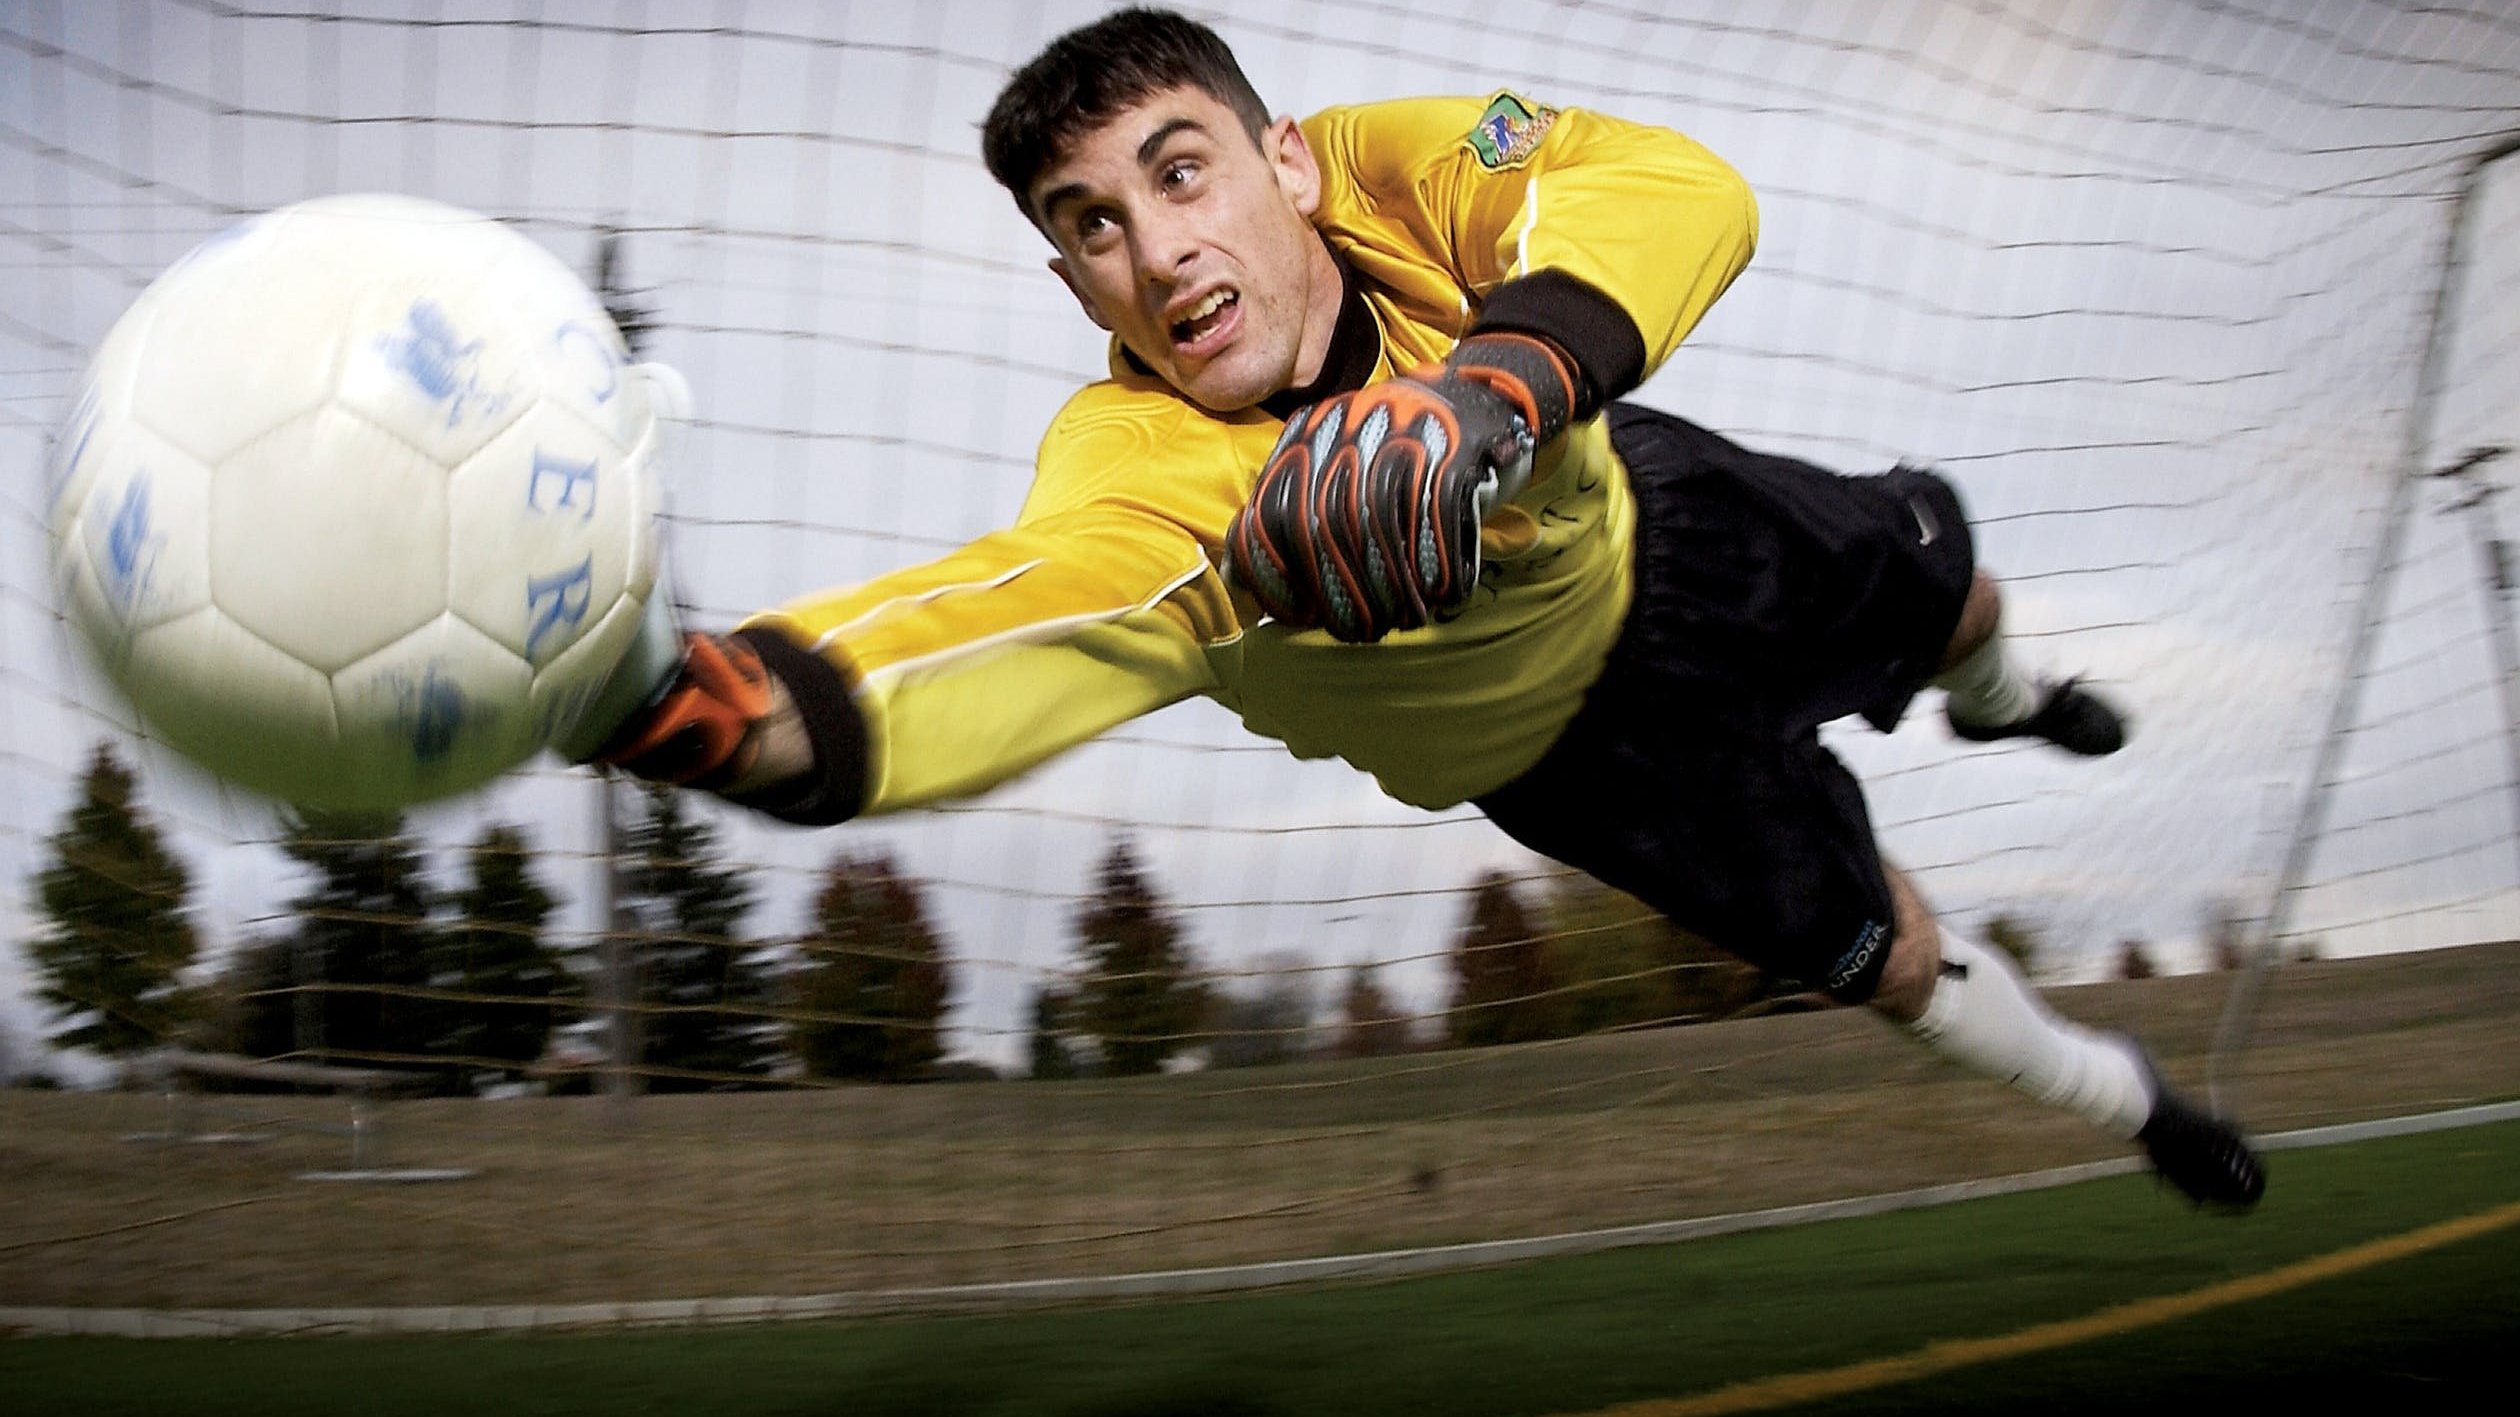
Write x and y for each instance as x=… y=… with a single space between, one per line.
x=1359 y=473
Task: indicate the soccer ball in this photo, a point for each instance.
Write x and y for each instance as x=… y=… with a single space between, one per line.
x=356 y=504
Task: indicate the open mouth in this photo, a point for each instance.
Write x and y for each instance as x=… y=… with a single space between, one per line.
x=1205 y=318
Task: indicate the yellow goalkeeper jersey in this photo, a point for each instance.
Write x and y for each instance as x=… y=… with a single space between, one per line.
x=1104 y=601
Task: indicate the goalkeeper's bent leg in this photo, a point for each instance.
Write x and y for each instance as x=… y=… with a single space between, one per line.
x=1968 y=1003
x=1983 y=1016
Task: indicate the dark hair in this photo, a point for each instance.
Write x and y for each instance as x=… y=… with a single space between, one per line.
x=1089 y=74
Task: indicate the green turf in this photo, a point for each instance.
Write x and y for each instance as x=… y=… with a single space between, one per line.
x=1548 y=1337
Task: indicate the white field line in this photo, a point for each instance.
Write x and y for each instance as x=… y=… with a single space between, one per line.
x=1381 y=1264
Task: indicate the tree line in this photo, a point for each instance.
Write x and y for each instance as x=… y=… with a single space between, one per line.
x=471 y=986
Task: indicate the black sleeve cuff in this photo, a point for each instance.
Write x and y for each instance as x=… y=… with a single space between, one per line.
x=1600 y=337
x=835 y=790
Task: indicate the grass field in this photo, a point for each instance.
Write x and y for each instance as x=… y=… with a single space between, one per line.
x=1649 y=1327
x=879 y=1188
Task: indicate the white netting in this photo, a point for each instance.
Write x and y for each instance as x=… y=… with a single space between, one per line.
x=2151 y=281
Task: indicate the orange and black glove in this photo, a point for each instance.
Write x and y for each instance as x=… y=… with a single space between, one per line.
x=1366 y=516
x=757 y=719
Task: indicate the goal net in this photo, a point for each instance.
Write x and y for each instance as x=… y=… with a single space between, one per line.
x=2153 y=283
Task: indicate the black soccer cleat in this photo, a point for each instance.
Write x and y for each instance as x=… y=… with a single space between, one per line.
x=2198 y=1152
x=2069 y=716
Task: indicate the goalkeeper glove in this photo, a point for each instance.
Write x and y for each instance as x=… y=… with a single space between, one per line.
x=1366 y=516
x=754 y=718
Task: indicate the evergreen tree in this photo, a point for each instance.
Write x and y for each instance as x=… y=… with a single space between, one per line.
x=363 y=938
x=874 y=974
x=1499 y=970
x=116 y=936
x=253 y=1012
x=2226 y=935
x=706 y=988
x=1267 y=1020
x=1610 y=957
x=2134 y=961
x=1139 y=998
x=1618 y=962
x=1370 y=1024
x=494 y=949
x=1052 y=1055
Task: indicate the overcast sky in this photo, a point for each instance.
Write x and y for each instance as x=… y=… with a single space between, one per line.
x=2152 y=282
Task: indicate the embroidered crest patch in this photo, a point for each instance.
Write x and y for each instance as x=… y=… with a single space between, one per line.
x=1509 y=131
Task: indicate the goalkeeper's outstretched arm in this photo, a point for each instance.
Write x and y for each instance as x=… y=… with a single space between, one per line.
x=938 y=681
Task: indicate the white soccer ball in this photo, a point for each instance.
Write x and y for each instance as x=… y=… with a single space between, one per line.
x=357 y=501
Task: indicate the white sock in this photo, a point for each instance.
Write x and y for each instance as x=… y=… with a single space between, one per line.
x=1984 y=1017
x=1988 y=689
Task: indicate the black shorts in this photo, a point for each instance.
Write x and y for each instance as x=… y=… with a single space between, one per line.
x=1771 y=597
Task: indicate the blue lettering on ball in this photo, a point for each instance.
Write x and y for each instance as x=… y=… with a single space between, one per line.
x=432 y=355
x=605 y=356
x=440 y=363
x=568 y=475
x=433 y=715
x=556 y=602
x=127 y=540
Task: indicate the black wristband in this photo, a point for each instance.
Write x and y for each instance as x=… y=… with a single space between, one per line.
x=835 y=789
x=1592 y=328
x=1537 y=366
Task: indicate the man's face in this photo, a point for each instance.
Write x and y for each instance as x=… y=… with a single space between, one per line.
x=1195 y=247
